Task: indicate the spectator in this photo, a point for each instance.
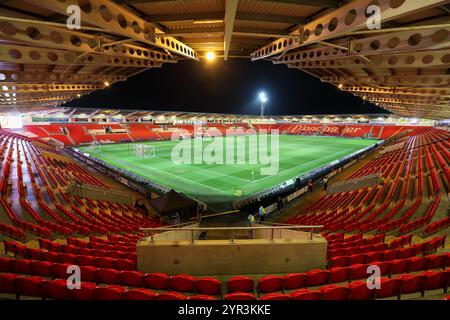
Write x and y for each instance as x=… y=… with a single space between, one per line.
x=250 y=221
x=310 y=185
x=280 y=204
x=262 y=213
x=325 y=183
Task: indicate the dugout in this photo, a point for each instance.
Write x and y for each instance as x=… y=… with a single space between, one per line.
x=172 y=202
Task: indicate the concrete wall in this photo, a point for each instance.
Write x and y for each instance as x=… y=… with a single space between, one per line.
x=243 y=256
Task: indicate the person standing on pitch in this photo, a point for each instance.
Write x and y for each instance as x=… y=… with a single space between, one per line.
x=253 y=175
x=262 y=213
x=325 y=183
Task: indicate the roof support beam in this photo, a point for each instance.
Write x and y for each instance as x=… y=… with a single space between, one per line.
x=393 y=81
x=348 y=18
x=316 y=3
x=202 y=16
x=230 y=14
x=117 y=19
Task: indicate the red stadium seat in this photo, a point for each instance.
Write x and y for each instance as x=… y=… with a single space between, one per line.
x=418 y=263
x=306 y=294
x=104 y=262
x=85 y=260
x=30 y=286
x=436 y=261
x=108 y=276
x=389 y=288
x=108 y=293
x=41 y=268
x=124 y=264
x=138 y=294
x=276 y=296
x=435 y=280
x=182 y=283
x=22 y=266
x=240 y=296
x=56 y=289
x=340 y=274
x=5 y=264
x=88 y=273
x=412 y=283
x=131 y=278
x=360 y=291
x=270 y=284
x=59 y=270
x=8 y=283
x=400 y=266
x=317 y=277
x=208 y=286
x=170 y=296
x=240 y=284
x=157 y=280
x=85 y=292
x=358 y=271
x=334 y=292
x=201 y=297
x=294 y=281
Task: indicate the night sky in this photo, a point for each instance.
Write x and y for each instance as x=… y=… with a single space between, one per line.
x=226 y=87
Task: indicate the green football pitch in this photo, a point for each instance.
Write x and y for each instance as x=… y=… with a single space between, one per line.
x=218 y=182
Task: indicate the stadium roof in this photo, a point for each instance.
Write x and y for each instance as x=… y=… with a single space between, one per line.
x=402 y=67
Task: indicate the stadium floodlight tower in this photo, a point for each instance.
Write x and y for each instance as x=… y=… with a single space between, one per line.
x=263 y=100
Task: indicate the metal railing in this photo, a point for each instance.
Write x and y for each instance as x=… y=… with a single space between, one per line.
x=153 y=231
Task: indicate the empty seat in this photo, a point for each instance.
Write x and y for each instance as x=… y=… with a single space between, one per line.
x=85 y=292
x=182 y=283
x=306 y=294
x=333 y=292
x=240 y=296
x=138 y=294
x=30 y=286
x=294 y=281
x=412 y=283
x=360 y=291
x=240 y=284
x=400 y=266
x=270 y=284
x=131 y=278
x=208 y=286
x=340 y=274
x=317 y=277
x=8 y=283
x=124 y=264
x=56 y=289
x=156 y=280
x=104 y=262
x=170 y=296
x=108 y=276
x=41 y=268
x=389 y=288
x=276 y=296
x=108 y=293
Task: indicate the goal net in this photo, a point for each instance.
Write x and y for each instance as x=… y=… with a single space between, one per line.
x=94 y=146
x=143 y=151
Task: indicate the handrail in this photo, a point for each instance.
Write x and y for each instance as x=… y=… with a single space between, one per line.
x=193 y=229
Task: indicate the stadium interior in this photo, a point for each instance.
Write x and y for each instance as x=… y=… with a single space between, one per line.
x=96 y=189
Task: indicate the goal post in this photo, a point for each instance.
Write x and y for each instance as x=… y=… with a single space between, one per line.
x=142 y=151
x=95 y=146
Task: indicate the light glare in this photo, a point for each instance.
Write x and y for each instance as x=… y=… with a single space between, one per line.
x=210 y=56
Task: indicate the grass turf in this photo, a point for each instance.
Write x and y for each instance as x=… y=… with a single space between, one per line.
x=217 y=182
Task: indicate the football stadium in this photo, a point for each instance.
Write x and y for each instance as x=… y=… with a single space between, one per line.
x=253 y=150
